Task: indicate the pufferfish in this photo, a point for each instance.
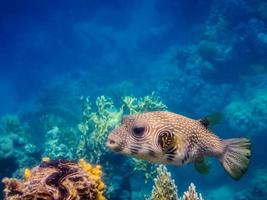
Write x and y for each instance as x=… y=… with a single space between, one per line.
x=169 y=138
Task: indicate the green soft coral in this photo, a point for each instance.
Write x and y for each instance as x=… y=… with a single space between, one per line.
x=145 y=104
x=96 y=125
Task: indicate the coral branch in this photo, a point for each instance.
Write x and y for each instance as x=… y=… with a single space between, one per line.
x=164 y=188
x=191 y=194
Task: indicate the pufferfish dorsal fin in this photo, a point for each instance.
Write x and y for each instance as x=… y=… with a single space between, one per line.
x=211 y=119
x=202 y=165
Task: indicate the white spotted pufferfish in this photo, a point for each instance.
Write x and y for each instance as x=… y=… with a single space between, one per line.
x=169 y=138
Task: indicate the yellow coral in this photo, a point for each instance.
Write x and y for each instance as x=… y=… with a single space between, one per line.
x=101 y=186
x=45 y=159
x=97 y=170
x=95 y=174
x=98 y=167
x=86 y=166
x=100 y=196
x=27 y=174
x=94 y=177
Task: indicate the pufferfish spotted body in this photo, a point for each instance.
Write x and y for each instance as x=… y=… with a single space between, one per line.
x=169 y=138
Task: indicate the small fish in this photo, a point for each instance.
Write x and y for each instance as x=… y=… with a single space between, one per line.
x=169 y=138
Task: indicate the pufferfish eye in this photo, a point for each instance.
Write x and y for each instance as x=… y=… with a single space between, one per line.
x=138 y=131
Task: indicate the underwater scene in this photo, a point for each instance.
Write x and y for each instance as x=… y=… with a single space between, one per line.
x=133 y=100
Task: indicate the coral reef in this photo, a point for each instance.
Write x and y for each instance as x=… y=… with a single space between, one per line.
x=16 y=150
x=57 y=179
x=232 y=39
x=249 y=114
x=256 y=188
x=165 y=189
x=60 y=137
x=205 y=65
x=63 y=139
x=60 y=142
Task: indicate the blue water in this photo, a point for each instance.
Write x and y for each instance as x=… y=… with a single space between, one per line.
x=197 y=56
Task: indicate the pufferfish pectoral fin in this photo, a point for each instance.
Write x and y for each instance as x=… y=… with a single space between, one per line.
x=202 y=165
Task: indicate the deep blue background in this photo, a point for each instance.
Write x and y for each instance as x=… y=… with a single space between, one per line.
x=41 y=40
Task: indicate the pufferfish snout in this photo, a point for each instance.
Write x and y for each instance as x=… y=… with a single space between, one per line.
x=114 y=142
x=169 y=138
x=111 y=142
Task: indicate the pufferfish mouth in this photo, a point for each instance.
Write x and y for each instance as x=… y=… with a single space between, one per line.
x=113 y=145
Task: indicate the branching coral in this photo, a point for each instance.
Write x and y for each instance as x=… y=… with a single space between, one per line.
x=57 y=179
x=191 y=194
x=165 y=189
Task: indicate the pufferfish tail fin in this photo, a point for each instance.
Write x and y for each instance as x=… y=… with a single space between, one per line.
x=236 y=156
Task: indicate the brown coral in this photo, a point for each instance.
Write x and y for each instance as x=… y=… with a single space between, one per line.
x=57 y=180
